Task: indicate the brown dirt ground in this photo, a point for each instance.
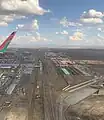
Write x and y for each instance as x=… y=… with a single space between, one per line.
x=91 y=108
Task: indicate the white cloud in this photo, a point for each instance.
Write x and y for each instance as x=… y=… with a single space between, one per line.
x=21 y=7
x=18 y=9
x=37 y=33
x=57 y=33
x=64 y=21
x=40 y=38
x=29 y=39
x=101 y=37
x=99 y=29
x=78 y=30
x=2 y=38
x=27 y=27
x=3 y=23
x=33 y=39
x=5 y=19
x=20 y=25
x=77 y=36
x=75 y=24
x=92 y=16
x=28 y=34
x=72 y=24
x=64 y=32
x=91 y=20
x=35 y=24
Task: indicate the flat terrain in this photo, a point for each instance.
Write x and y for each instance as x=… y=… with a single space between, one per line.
x=88 y=109
x=90 y=54
x=19 y=103
x=43 y=91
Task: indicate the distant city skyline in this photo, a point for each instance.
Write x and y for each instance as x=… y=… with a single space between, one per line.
x=53 y=23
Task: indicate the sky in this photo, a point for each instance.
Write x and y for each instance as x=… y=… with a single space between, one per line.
x=53 y=23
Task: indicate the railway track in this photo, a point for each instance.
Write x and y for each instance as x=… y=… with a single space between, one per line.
x=31 y=94
x=48 y=97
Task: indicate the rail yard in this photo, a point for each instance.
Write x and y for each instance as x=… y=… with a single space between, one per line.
x=38 y=84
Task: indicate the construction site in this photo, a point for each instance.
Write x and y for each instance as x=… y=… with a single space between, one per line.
x=78 y=87
x=53 y=87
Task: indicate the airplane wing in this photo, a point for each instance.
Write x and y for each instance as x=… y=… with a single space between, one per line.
x=5 y=44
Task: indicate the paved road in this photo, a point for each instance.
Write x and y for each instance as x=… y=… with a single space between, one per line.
x=24 y=80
